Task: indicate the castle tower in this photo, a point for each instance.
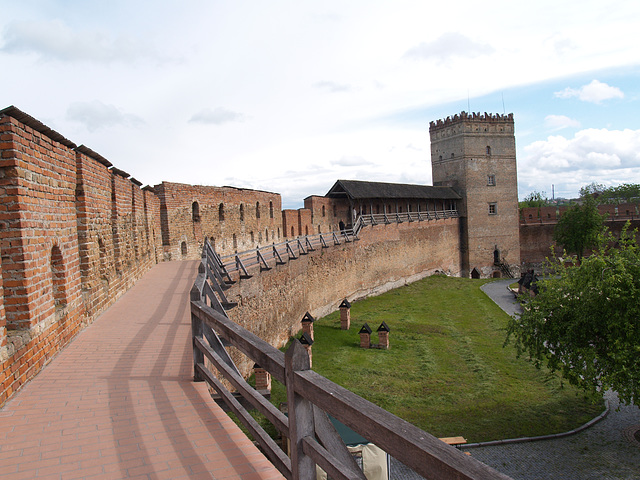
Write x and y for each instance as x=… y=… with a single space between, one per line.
x=476 y=155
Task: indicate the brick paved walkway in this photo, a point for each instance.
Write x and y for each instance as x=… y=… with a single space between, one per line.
x=119 y=403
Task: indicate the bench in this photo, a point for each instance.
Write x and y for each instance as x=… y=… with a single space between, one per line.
x=455 y=441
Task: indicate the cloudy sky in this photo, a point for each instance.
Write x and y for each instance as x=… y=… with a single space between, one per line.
x=289 y=96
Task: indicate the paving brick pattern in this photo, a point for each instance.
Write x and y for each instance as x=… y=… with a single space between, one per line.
x=119 y=402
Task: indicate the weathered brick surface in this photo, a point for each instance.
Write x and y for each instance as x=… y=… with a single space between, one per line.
x=475 y=154
x=234 y=219
x=386 y=256
x=73 y=236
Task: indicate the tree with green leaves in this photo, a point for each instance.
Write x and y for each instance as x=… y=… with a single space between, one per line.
x=535 y=199
x=585 y=322
x=578 y=228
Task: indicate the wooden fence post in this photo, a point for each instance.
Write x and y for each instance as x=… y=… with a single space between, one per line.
x=198 y=356
x=300 y=414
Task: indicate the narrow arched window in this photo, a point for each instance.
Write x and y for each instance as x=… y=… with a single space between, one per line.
x=242 y=212
x=488 y=150
x=235 y=241
x=323 y=211
x=257 y=209
x=270 y=209
x=195 y=212
x=183 y=249
x=266 y=235
x=58 y=278
x=221 y=212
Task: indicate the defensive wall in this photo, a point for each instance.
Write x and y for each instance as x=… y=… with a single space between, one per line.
x=76 y=232
x=538 y=223
x=74 y=235
x=271 y=303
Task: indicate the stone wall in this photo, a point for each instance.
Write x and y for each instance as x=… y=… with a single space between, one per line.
x=272 y=303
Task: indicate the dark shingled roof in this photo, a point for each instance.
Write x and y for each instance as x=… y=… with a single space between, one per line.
x=356 y=189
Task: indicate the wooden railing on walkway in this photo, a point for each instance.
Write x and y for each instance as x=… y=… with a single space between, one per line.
x=313 y=438
x=268 y=256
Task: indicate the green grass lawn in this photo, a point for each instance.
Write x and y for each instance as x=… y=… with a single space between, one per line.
x=446 y=371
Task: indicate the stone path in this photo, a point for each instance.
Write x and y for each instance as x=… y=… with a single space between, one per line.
x=119 y=402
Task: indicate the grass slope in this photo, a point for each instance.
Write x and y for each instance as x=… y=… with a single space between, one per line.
x=446 y=371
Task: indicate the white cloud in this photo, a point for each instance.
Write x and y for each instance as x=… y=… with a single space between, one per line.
x=598 y=155
x=351 y=161
x=447 y=46
x=96 y=115
x=53 y=39
x=559 y=122
x=333 y=87
x=594 y=92
x=218 y=116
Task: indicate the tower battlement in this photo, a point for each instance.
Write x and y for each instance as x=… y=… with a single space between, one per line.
x=464 y=117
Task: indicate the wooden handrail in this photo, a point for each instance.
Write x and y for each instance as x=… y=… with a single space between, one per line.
x=309 y=395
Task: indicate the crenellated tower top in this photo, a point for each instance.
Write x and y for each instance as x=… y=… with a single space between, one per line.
x=470 y=118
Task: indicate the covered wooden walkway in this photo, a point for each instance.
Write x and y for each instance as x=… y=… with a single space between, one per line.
x=119 y=401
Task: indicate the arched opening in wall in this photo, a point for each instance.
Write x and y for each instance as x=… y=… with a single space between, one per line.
x=306 y=229
x=221 y=212
x=323 y=211
x=496 y=256
x=257 y=209
x=252 y=238
x=266 y=235
x=270 y=209
x=319 y=229
x=183 y=249
x=475 y=273
x=278 y=233
x=235 y=242
x=195 y=212
x=497 y=274
x=488 y=150
x=242 y=212
x=58 y=279
x=102 y=252
x=293 y=232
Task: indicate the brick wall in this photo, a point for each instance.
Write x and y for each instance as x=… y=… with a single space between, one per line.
x=234 y=219
x=322 y=219
x=385 y=257
x=73 y=237
x=40 y=255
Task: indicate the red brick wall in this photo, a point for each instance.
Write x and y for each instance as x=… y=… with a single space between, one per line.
x=322 y=218
x=3 y=323
x=233 y=218
x=39 y=244
x=74 y=235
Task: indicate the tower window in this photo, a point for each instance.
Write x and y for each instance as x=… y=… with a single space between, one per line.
x=488 y=150
x=491 y=180
x=493 y=208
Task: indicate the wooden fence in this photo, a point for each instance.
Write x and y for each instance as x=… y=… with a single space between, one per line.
x=310 y=398
x=268 y=256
